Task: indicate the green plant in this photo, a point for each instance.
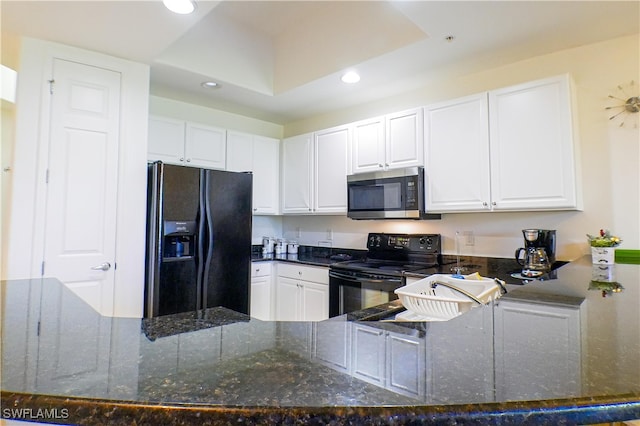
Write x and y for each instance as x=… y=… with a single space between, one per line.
x=605 y=239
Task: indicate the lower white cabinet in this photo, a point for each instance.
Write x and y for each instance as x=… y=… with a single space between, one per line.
x=332 y=343
x=395 y=361
x=261 y=291
x=302 y=293
x=537 y=350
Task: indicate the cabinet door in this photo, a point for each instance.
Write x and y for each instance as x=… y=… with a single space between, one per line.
x=261 y=298
x=368 y=147
x=368 y=357
x=296 y=174
x=404 y=139
x=166 y=140
x=457 y=155
x=330 y=195
x=205 y=147
x=537 y=351
x=332 y=343
x=240 y=152
x=532 y=152
x=406 y=372
x=287 y=299
x=266 y=175
x=314 y=302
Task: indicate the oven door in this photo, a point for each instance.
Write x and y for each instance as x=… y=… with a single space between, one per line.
x=349 y=292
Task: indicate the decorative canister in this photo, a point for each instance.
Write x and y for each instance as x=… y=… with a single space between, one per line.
x=292 y=247
x=603 y=255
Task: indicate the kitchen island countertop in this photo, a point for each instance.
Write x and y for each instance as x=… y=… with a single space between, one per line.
x=64 y=363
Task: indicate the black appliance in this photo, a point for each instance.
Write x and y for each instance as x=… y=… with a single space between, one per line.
x=360 y=284
x=540 y=238
x=393 y=194
x=198 y=239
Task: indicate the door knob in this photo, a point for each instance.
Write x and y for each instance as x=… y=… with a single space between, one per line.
x=104 y=267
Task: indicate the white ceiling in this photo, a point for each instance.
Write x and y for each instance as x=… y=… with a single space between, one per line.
x=281 y=61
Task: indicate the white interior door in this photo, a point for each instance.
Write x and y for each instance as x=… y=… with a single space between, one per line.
x=80 y=233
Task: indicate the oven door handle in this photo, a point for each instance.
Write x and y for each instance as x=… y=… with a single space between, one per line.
x=334 y=274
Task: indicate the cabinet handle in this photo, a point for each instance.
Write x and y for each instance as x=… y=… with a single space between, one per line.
x=386 y=164
x=255 y=209
x=380 y=165
x=300 y=273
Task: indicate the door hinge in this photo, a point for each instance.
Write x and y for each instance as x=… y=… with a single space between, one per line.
x=42 y=269
x=51 y=83
x=46 y=178
x=38 y=330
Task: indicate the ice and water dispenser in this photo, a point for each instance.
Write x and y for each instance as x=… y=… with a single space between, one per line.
x=179 y=240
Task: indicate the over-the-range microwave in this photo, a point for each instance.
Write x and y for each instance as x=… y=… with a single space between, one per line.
x=391 y=194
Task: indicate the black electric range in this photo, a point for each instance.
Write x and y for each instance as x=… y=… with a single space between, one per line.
x=359 y=284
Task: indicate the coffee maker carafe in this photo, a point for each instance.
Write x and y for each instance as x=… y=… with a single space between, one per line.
x=539 y=251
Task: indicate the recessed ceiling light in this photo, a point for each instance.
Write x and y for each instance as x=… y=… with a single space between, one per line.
x=449 y=38
x=182 y=7
x=350 y=77
x=210 y=85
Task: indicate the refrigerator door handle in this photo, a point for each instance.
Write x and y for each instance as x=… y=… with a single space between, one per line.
x=210 y=238
x=200 y=258
x=154 y=239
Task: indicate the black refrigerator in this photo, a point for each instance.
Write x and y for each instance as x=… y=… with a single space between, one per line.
x=198 y=239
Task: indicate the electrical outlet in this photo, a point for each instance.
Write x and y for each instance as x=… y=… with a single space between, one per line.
x=469 y=238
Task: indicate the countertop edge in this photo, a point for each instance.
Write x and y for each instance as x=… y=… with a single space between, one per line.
x=87 y=411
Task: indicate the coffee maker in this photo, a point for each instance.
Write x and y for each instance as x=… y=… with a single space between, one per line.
x=539 y=251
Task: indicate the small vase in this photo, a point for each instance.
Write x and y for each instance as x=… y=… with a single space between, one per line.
x=603 y=255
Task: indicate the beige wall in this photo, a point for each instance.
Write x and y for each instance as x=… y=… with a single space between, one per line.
x=610 y=157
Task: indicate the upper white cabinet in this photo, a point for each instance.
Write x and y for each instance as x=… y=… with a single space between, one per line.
x=479 y=148
x=531 y=126
x=314 y=172
x=187 y=144
x=389 y=142
x=260 y=155
x=457 y=155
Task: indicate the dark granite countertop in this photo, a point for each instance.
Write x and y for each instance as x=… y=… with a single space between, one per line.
x=64 y=363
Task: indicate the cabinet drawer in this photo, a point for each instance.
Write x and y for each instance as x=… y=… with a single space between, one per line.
x=316 y=274
x=260 y=269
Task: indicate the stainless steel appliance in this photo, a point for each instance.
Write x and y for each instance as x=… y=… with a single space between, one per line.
x=198 y=239
x=393 y=194
x=360 y=284
x=539 y=251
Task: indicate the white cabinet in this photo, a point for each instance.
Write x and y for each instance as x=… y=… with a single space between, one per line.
x=187 y=144
x=314 y=172
x=537 y=350
x=260 y=155
x=457 y=155
x=480 y=150
x=389 y=142
x=261 y=291
x=392 y=360
x=302 y=293
x=332 y=343
x=531 y=126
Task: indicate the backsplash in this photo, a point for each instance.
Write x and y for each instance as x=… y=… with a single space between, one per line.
x=483 y=234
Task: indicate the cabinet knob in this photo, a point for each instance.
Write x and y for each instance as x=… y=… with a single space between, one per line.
x=255 y=209
x=485 y=204
x=181 y=159
x=380 y=165
x=188 y=160
x=299 y=272
x=493 y=203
